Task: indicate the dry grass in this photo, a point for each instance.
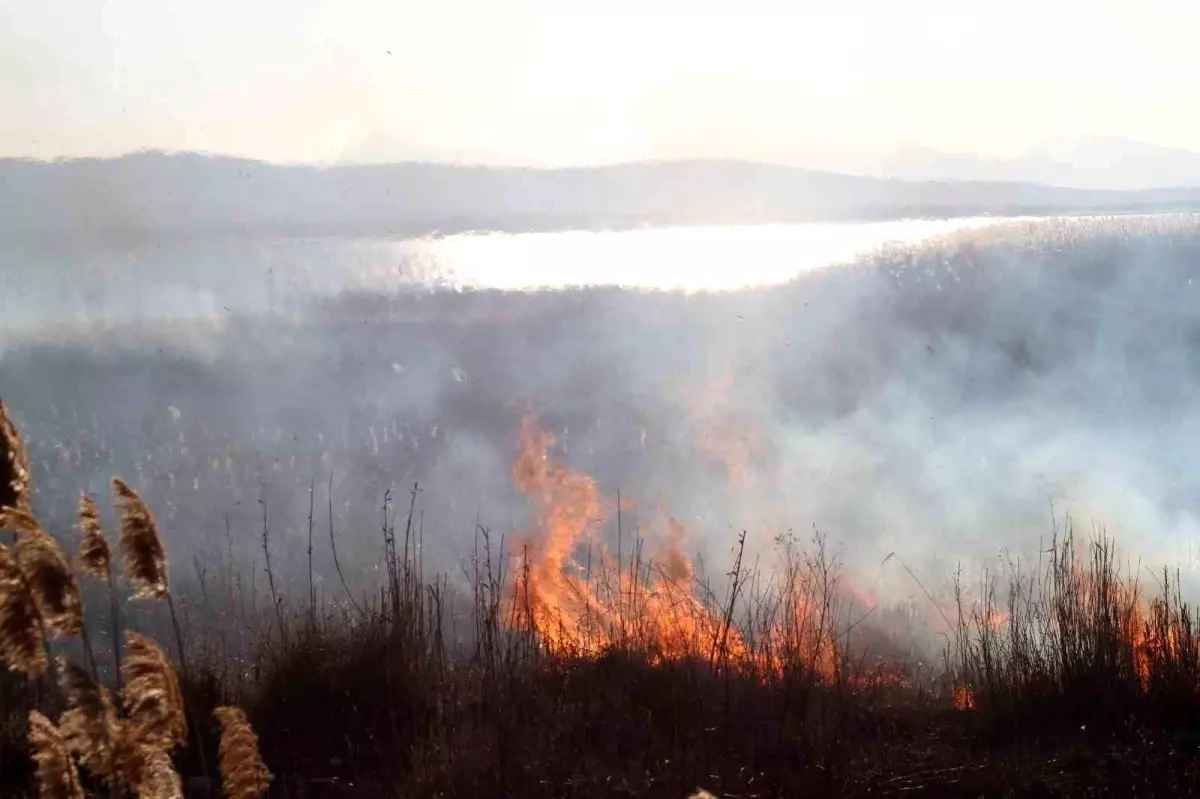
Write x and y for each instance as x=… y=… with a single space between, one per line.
x=767 y=684
x=131 y=754
x=95 y=555
x=89 y=725
x=148 y=772
x=16 y=480
x=47 y=573
x=1079 y=641
x=57 y=777
x=153 y=701
x=242 y=771
x=143 y=552
x=21 y=634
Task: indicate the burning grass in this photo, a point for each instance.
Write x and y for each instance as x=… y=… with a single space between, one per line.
x=593 y=669
x=567 y=664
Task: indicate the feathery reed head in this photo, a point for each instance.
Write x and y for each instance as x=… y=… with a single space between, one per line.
x=90 y=724
x=46 y=572
x=141 y=548
x=146 y=771
x=56 y=774
x=153 y=700
x=16 y=481
x=242 y=771
x=95 y=555
x=21 y=643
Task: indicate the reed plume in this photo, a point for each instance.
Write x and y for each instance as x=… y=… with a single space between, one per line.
x=146 y=771
x=90 y=724
x=21 y=636
x=95 y=558
x=243 y=774
x=146 y=568
x=141 y=548
x=153 y=701
x=47 y=573
x=159 y=778
x=95 y=555
x=56 y=774
x=16 y=480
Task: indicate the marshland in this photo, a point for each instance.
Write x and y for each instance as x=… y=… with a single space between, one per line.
x=916 y=520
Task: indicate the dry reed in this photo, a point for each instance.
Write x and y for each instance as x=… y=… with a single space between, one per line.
x=142 y=549
x=16 y=480
x=90 y=723
x=95 y=555
x=95 y=558
x=47 y=573
x=57 y=777
x=146 y=770
x=153 y=700
x=243 y=774
x=21 y=638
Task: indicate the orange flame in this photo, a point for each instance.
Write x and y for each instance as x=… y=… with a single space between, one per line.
x=580 y=599
x=586 y=607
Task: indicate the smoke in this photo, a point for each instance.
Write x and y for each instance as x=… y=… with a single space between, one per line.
x=936 y=401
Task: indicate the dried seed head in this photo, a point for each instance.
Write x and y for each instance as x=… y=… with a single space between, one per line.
x=145 y=770
x=16 y=481
x=21 y=643
x=47 y=573
x=90 y=723
x=95 y=555
x=242 y=771
x=142 y=549
x=153 y=700
x=56 y=774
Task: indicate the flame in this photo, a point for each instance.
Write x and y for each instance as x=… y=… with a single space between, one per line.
x=997 y=619
x=584 y=603
x=581 y=599
x=964 y=698
x=567 y=506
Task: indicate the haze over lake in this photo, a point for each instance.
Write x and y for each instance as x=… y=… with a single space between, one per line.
x=929 y=392
x=48 y=286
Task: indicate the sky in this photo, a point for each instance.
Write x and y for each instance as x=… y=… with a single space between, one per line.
x=558 y=82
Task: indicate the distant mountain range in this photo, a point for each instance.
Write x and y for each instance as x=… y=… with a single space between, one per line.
x=1087 y=162
x=150 y=195
x=1103 y=163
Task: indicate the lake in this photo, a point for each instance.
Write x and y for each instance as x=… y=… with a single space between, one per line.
x=185 y=279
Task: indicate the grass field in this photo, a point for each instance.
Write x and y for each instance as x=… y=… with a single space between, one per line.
x=574 y=668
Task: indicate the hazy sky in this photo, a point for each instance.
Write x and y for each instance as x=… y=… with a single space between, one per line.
x=558 y=82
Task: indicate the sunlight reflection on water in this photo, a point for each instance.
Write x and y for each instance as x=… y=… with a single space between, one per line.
x=215 y=279
x=684 y=258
